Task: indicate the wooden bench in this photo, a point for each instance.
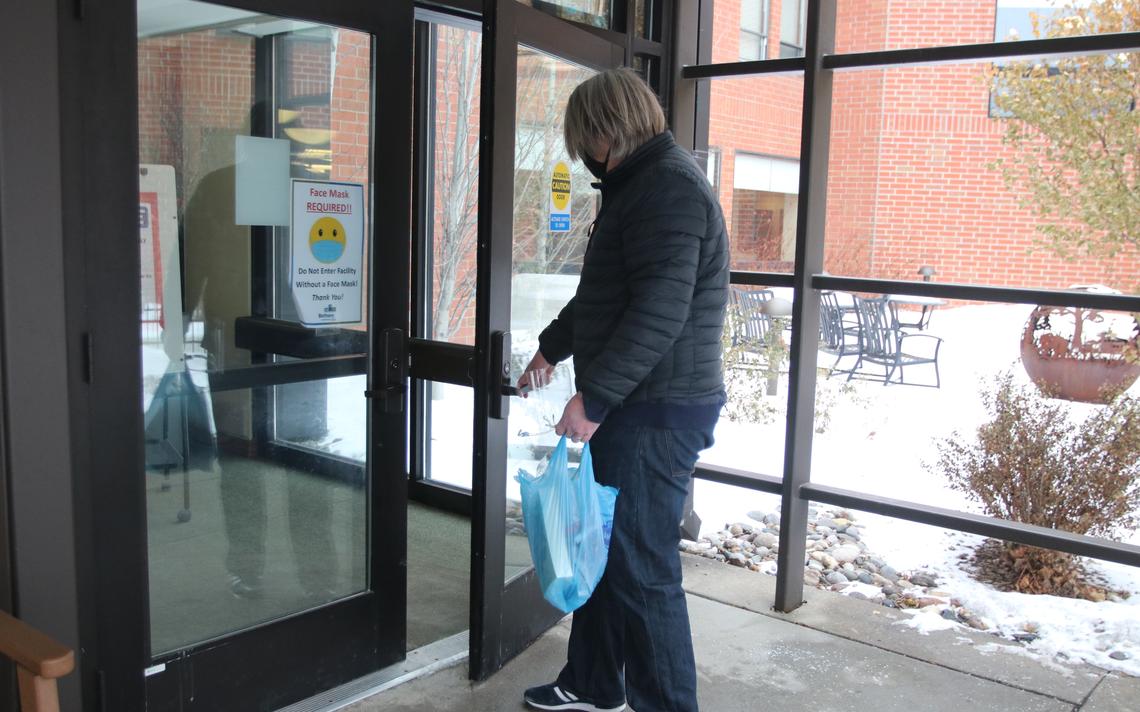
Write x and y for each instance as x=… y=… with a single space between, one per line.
x=40 y=661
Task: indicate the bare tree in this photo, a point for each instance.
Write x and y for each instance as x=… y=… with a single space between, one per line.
x=543 y=88
x=456 y=177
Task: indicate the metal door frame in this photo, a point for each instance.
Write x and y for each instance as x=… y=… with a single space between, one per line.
x=103 y=165
x=506 y=617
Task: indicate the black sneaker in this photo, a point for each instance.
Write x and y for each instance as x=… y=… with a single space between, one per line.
x=554 y=697
x=245 y=588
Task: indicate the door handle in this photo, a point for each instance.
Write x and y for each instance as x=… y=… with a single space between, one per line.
x=500 y=388
x=392 y=371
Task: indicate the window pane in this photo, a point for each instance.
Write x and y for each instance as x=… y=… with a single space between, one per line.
x=256 y=496
x=754 y=132
x=736 y=24
x=751 y=46
x=788 y=51
x=751 y=17
x=234 y=541
x=1005 y=371
x=792 y=18
x=454 y=206
x=546 y=261
x=646 y=22
x=923 y=183
x=750 y=433
x=338 y=404
x=867 y=27
x=598 y=13
x=448 y=414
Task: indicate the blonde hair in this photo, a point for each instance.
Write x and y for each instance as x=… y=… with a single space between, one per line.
x=615 y=106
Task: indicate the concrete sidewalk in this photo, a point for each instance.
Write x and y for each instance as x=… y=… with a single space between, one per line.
x=833 y=653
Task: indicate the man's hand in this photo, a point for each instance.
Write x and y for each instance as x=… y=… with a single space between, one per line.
x=537 y=374
x=574 y=422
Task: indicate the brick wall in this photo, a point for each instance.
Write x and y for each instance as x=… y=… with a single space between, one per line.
x=908 y=181
x=759 y=115
x=194 y=89
x=196 y=94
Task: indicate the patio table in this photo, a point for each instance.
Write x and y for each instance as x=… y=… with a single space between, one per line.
x=927 y=305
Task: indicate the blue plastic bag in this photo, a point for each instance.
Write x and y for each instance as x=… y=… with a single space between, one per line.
x=568 y=518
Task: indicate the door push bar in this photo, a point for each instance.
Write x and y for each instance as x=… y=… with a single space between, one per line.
x=392 y=371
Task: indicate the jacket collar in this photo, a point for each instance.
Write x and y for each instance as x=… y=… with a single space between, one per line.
x=640 y=156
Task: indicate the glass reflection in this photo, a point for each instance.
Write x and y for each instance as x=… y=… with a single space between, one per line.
x=598 y=13
x=545 y=266
x=255 y=493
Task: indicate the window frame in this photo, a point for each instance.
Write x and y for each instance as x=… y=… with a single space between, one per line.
x=765 y=30
x=818 y=64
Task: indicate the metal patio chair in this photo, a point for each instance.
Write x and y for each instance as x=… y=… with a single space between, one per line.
x=750 y=325
x=839 y=329
x=886 y=344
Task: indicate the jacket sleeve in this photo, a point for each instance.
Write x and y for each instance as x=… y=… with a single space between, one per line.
x=556 y=340
x=661 y=246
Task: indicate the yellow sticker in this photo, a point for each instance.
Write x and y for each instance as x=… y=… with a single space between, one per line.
x=560 y=186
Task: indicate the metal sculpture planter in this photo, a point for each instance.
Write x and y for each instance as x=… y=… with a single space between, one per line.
x=1081 y=354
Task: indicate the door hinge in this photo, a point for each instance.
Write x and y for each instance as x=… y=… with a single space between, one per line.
x=87 y=343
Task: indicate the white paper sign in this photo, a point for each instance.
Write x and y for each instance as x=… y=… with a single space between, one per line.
x=261 y=181
x=158 y=251
x=327 y=252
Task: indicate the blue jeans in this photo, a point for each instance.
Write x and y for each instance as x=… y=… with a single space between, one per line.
x=637 y=621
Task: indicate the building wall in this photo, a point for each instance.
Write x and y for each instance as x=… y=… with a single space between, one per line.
x=760 y=115
x=909 y=182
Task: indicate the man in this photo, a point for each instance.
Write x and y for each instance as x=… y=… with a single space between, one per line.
x=644 y=329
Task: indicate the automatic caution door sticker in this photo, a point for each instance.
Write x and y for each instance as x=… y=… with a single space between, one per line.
x=560 y=198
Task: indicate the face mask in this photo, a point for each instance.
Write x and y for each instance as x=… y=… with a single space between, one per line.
x=597 y=168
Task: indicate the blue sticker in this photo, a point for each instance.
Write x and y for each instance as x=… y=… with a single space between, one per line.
x=559 y=222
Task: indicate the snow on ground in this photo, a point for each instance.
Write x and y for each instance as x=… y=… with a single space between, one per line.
x=881 y=439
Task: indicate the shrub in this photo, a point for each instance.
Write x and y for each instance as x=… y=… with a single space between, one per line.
x=745 y=376
x=1037 y=462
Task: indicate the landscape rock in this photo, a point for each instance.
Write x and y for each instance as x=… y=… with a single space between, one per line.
x=923 y=579
x=845 y=553
x=765 y=539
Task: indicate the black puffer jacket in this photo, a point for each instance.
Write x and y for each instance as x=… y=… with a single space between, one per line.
x=645 y=324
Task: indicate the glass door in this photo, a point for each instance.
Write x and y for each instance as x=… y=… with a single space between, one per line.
x=272 y=333
x=535 y=210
